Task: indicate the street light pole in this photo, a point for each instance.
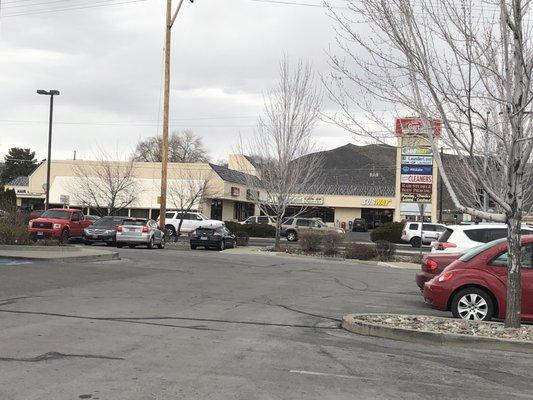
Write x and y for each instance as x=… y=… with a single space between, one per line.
x=169 y=22
x=50 y=93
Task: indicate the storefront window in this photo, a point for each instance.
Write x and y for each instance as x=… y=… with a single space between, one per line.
x=326 y=214
x=216 y=210
x=242 y=210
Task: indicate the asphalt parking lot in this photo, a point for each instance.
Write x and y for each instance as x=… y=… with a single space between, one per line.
x=168 y=324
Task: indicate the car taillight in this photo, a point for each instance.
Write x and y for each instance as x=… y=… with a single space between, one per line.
x=431 y=265
x=446 y=276
x=444 y=245
x=119 y=228
x=145 y=229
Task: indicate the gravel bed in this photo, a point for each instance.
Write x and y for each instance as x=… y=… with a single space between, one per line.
x=455 y=326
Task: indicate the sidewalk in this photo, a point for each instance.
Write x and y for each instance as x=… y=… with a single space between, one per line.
x=57 y=253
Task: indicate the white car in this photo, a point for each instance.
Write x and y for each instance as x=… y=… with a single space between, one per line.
x=260 y=219
x=430 y=233
x=461 y=238
x=191 y=221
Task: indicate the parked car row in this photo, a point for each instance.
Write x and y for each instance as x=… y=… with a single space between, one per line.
x=474 y=285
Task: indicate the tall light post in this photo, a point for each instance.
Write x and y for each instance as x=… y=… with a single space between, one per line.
x=169 y=22
x=50 y=93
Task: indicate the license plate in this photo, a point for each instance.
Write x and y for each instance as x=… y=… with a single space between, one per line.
x=203 y=238
x=40 y=233
x=95 y=236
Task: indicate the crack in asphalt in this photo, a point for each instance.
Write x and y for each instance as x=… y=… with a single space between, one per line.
x=141 y=320
x=57 y=356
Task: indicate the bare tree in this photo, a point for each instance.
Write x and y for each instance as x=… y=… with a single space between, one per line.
x=185 y=195
x=283 y=137
x=105 y=185
x=184 y=147
x=466 y=62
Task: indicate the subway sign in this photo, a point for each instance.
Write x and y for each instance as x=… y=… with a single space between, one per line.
x=376 y=201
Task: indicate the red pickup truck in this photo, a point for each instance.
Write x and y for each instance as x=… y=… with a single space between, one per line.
x=59 y=223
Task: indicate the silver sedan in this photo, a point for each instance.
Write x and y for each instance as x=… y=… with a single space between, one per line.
x=140 y=231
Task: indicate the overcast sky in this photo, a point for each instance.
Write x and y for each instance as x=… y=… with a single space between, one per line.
x=107 y=63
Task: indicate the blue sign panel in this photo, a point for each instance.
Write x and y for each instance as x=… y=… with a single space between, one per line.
x=417 y=169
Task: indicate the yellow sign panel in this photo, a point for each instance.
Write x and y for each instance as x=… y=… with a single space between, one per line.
x=377 y=201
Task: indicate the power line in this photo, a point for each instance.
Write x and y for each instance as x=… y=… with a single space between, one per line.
x=94 y=4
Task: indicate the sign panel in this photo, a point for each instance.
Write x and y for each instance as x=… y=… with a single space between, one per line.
x=373 y=201
x=417 y=151
x=64 y=199
x=416 y=188
x=415 y=198
x=417 y=160
x=415 y=126
x=235 y=191
x=417 y=179
x=417 y=169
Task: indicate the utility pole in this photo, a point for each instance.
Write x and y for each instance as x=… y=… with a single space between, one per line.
x=169 y=21
x=485 y=164
x=441 y=184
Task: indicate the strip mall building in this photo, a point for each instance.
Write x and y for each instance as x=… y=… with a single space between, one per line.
x=363 y=182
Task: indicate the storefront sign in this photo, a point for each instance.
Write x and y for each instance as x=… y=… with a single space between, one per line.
x=416 y=188
x=417 y=151
x=378 y=202
x=307 y=200
x=21 y=191
x=415 y=198
x=417 y=179
x=417 y=160
x=235 y=191
x=417 y=169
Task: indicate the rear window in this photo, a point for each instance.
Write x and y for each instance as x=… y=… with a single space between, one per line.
x=262 y=220
x=486 y=235
x=480 y=249
x=56 y=214
x=134 y=222
x=446 y=235
x=302 y=222
x=205 y=231
x=107 y=222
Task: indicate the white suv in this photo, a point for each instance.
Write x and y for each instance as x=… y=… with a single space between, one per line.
x=260 y=219
x=461 y=238
x=191 y=221
x=430 y=233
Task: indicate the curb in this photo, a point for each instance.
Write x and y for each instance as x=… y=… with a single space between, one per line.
x=350 y=323
x=100 y=256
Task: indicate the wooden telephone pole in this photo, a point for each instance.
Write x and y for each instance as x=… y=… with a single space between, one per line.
x=169 y=22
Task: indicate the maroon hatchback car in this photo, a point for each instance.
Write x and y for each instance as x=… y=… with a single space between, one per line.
x=474 y=286
x=432 y=265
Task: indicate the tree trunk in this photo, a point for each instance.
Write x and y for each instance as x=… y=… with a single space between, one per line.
x=278 y=234
x=513 y=314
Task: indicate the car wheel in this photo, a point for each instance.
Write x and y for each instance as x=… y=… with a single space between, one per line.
x=193 y=247
x=222 y=245
x=474 y=304
x=131 y=246
x=87 y=243
x=171 y=231
x=63 y=239
x=150 y=244
x=291 y=236
x=416 y=242
x=119 y=245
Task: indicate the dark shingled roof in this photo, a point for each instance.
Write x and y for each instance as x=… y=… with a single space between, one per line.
x=19 y=181
x=231 y=175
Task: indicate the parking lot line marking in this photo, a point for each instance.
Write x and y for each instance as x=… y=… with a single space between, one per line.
x=303 y=372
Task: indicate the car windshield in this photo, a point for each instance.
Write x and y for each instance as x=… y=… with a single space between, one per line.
x=59 y=214
x=107 y=222
x=134 y=222
x=480 y=249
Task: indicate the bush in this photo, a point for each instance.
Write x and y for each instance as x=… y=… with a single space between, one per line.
x=241 y=238
x=385 y=250
x=14 y=234
x=330 y=242
x=360 y=251
x=252 y=230
x=390 y=232
x=310 y=241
